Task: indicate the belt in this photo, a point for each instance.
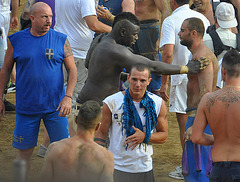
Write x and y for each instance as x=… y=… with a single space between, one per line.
x=191 y=112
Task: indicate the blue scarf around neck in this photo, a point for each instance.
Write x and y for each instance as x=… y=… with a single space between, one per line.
x=132 y=118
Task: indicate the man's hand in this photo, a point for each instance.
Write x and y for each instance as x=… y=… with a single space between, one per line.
x=163 y=92
x=14 y=22
x=104 y=13
x=197 y=65
x=65 y=107
x=2 y=108
x=136 y=138
x=188 y=134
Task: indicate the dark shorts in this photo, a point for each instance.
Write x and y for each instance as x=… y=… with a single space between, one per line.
x=225 y=172
x=120 y=176
x=27 y=128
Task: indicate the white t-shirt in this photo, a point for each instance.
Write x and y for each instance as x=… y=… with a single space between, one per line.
x=169 y=35
x=70 y=21
x=132 y=161
x=228 y=38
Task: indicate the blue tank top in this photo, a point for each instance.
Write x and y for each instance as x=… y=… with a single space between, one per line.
x=114 y=6
x=39 y=75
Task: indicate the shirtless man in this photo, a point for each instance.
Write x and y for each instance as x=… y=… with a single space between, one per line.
x=191 y=35
x=220 y=110
x=204 y=7
x=108 y=55
x=147 y=11
x=79 y=158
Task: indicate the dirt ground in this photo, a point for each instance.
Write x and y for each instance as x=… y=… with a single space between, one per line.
x=165 y=158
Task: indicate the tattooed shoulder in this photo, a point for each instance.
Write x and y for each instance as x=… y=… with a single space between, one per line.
x=227 y=96
x=67 y=49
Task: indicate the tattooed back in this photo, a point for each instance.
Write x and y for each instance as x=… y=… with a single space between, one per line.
x=222 y=110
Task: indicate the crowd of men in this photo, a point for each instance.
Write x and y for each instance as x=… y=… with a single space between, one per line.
x=70 y=79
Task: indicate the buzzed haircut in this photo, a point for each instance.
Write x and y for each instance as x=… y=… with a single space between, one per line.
x=140 y=67
x=182 y=2
x=231 y=63
x=196 y=24
x=89 y=115
x=126 y=16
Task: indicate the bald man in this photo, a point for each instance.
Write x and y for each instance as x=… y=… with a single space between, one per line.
x=39 y=53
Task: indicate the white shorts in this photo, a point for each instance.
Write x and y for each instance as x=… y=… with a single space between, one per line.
x=5 y=24
x=178 y=98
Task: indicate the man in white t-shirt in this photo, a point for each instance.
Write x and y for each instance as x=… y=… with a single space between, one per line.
x=7 y=19
x=136 y=119
x=77 y=19
x=175 y=53
x=225 y=21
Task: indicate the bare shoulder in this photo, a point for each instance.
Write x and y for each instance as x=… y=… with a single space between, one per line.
x=56 y=148
x=104 y=154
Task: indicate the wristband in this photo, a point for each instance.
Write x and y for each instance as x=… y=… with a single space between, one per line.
x=68 y=96
x=111 y=18
x=183 y=70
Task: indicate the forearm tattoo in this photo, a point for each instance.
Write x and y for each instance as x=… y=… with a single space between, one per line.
x=230 y=96
x=67 y=49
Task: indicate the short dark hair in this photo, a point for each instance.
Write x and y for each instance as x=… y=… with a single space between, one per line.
x=196 y=24
x=126 y=16
x=231 y=63
x=182 y=2
x=89 y=115
x=140 y=67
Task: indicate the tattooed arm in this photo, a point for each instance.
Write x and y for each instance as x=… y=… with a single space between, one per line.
x=66 y=103
x=200 y=123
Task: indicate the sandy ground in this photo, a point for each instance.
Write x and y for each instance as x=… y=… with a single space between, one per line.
x=166 y=156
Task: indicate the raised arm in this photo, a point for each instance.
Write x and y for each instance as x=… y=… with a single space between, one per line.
x=66 y=103
x=127 y=59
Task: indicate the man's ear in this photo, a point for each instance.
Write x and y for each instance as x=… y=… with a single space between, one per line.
x=128 y=77
x=122 y=32
x=224 y=73
x=76 y=119
x=97 y=127
x=150 y=79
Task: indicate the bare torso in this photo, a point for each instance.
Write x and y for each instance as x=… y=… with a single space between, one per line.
x=78 y=160
x=146 y=9
x=208 y=13
x=103 y=73
x=204 y=81
x=225 y=123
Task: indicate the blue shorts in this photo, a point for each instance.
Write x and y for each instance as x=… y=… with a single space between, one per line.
x=226 y=171
x=27 y=128
x=203 y=160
